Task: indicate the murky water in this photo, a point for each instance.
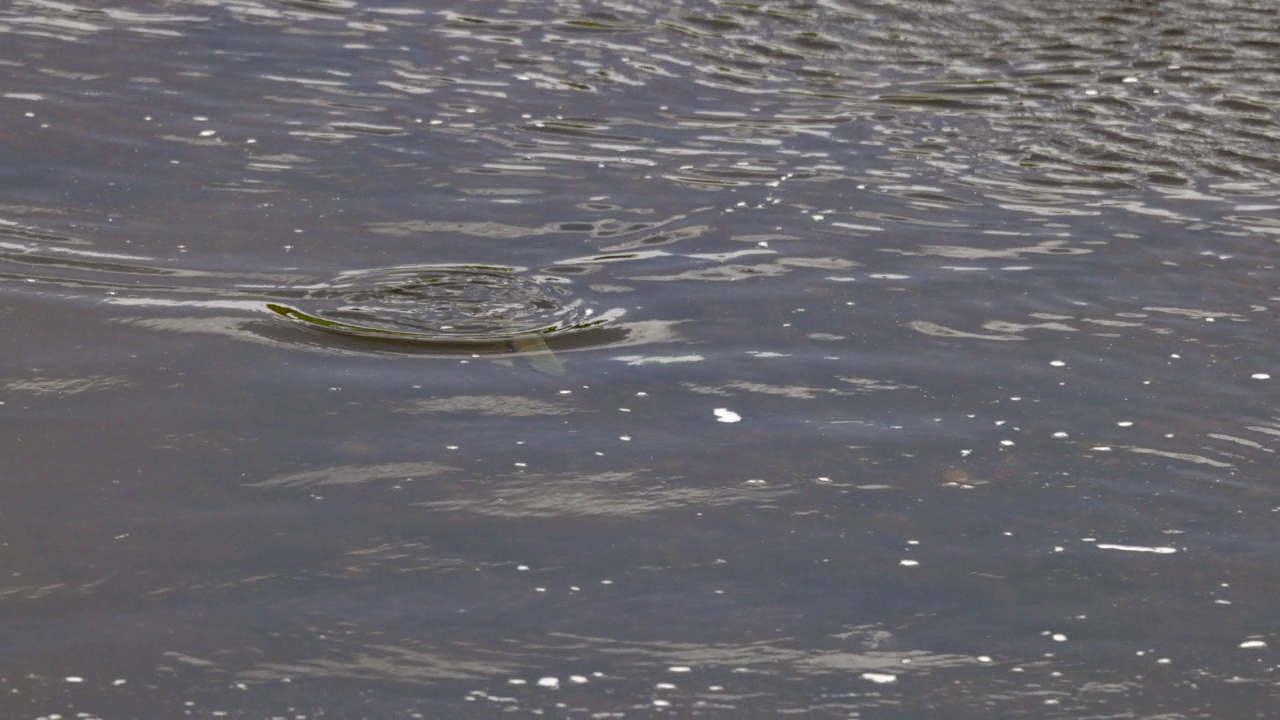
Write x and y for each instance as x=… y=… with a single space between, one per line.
x=874 y=359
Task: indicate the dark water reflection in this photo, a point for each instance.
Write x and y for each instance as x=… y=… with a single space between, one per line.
x=936 y=375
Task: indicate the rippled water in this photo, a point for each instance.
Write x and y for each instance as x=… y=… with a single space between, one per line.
x=871 y=359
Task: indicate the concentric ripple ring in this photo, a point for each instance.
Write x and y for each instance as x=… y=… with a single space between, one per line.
x=442 y=304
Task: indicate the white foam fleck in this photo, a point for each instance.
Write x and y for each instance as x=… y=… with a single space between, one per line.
x=74 y=679
x=1137 y=548
x=1057 y=363
x=1252 y=644
x=1261 y=376
x=881 y=678
x=908 y=563
x=726 y=415
x=679 y=669
x=637 y=360
x=549 y=682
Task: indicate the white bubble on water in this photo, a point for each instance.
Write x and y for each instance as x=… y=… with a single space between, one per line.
x=1252 y=644
x=881 y=678
x=549 y=682
x=726 y=415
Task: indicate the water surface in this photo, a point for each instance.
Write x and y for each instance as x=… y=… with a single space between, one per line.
x=872 y=359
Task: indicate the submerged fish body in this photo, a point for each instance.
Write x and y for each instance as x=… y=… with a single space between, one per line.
x=535 y=349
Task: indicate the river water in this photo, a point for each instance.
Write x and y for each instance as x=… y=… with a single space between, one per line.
x=880 y=359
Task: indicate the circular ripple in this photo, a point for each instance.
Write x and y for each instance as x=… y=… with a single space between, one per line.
x=443 y=304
